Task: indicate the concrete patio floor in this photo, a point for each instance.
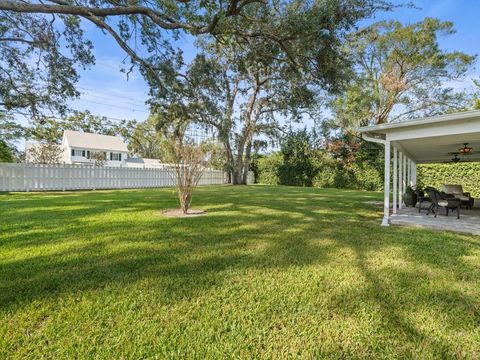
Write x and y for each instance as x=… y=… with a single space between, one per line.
x=469 y=222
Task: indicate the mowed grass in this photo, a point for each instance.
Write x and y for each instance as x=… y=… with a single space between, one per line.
x=269 y=272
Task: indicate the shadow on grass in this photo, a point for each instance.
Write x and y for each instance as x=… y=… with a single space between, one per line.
x=67 y=243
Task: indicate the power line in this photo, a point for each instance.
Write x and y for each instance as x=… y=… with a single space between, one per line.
x=58 y=118
x=106 y=93
x=108 y=98
x=116 y=106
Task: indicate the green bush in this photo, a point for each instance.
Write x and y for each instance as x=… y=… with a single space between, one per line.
x=268 y=169
x=437 y=175
x=319 y=170
x=326 y=177
x=367 y=177
x=299 y=166
x=5 y=152
x=323 y=171
x=332 y=173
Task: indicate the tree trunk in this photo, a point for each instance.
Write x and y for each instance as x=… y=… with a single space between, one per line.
x=226 y=128
x=244 y=143
x=246 y=162
x=238 y=177
x=237 y=170
x=229 y=164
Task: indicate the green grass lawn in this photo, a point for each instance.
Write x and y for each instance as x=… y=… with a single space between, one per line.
x=269 y=272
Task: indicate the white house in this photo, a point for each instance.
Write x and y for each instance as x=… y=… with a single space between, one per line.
x=79 y=148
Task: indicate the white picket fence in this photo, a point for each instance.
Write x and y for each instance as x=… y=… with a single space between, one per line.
x=37 y=177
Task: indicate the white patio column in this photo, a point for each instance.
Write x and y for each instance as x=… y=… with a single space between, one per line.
x=395 y=179
x=400 y=179
x=386 y=185
x=408 y=173
x=404 y=178
x=414 y=173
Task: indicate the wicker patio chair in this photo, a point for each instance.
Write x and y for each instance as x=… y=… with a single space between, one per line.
x=439 y=201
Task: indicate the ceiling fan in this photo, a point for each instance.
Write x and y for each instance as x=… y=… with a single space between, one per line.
x=465 y=150
x=454 y=160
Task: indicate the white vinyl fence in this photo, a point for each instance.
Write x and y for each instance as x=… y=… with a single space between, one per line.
x=37 y=177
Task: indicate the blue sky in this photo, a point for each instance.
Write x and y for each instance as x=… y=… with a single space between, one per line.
x=106 y=91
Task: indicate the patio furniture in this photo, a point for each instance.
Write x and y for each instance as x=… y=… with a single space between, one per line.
x=439 y=201
x=457 y=191
x=422 y=198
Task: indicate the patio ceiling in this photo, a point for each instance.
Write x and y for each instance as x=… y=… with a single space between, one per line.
x=432 y=139
x=438 y=149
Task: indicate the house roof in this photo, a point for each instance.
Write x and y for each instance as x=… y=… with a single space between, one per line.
x=433 y=120
x=84 y=140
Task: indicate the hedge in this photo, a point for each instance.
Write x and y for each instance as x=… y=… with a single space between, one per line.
x=465 y=174
x=331 y=173
x=325 y=172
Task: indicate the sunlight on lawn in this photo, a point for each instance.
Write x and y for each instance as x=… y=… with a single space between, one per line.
x=268 y=272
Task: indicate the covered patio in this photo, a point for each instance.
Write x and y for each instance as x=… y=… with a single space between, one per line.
x=469 y=222
x=424 y=141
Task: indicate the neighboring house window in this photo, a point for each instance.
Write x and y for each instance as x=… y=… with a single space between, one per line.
x=116 y=156
x=78 y=152
x=88 y=154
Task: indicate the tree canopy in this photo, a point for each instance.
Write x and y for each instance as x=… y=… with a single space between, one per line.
x=400 y=72
x=10 y=132
x=42 y=44
x=38 y=62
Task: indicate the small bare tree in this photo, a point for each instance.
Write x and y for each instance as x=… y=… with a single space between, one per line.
x=187 y=169
x=45 y=153
x=187 y=158
x=99 y=158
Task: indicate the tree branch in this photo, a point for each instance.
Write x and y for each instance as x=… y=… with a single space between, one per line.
x=160 y=19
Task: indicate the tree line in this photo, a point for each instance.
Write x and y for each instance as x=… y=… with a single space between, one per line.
x=259 y=67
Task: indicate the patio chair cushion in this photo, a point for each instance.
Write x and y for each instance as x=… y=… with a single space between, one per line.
x=443 y=203
x=455 y=190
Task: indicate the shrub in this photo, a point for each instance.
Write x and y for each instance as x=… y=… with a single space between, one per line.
x=268 y=169
x=299 y=166
x=367 y=177
x=319 y=170
x=326 y=177
x=5 y=152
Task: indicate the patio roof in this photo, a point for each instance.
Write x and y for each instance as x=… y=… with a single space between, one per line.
x=432 y=139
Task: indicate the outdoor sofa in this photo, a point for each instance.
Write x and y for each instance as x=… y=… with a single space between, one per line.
x=456 y=191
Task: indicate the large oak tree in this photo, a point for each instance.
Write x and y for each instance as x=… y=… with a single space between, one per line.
x=242 y=85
